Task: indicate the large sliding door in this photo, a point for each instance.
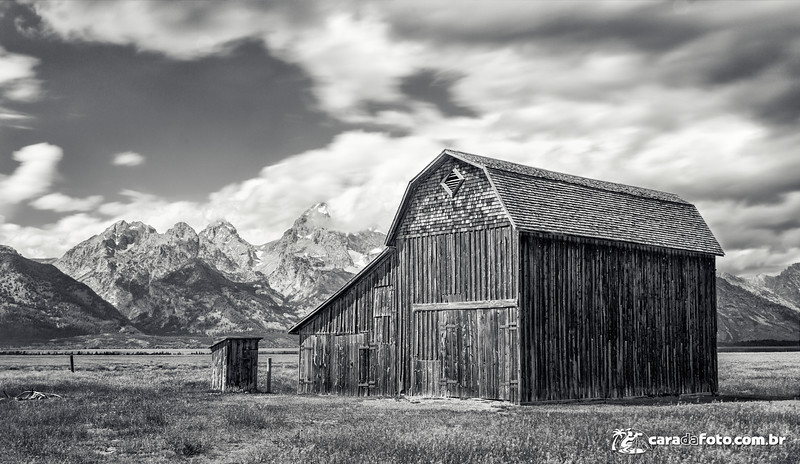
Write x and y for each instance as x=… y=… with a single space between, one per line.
x=467 y=350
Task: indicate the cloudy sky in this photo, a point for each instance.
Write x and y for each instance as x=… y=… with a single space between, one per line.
x=252 y=111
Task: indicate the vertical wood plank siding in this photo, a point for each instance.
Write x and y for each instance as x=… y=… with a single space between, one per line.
x=467 y=353
x=234 y=365
x=348 y=347
x=464 y=266
x=601 y=319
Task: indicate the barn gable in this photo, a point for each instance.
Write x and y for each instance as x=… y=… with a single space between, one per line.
x=451 y=196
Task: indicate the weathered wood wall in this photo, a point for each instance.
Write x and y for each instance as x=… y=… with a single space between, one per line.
x=601 y=319
x=352 y=311
x=234 y=365
x=349 y=346
x=219 y=367
x=466 y=352
x=467 y=266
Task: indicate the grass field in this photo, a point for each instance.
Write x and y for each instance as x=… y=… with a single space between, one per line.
x=160 y=409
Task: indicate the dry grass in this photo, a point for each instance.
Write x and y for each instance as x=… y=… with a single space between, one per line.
x=148 y=413
x=760 y=374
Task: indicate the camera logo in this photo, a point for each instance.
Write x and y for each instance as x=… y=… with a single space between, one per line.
x=630 y=441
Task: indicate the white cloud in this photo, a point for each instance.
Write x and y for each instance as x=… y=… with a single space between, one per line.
x=127 y=158
x=34 y=175
x=18 y=77
x=155 y=211
x=183 y=30
x=353 y=60
x=18 y=82
x=361 y=175
x=52 y=240
x=61 y=203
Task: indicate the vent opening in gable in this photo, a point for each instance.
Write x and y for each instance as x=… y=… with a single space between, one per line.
x=452 y=182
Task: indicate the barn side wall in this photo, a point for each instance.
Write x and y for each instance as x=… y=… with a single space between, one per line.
x=602 y=319
x=348 y=346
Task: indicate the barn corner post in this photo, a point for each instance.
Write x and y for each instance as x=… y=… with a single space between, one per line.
x=714 y=349
x=234 y=364
x=509 y=282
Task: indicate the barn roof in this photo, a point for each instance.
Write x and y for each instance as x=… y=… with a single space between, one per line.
x=537 y=200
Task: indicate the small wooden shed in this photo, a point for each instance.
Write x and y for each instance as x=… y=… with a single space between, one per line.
x=234 y=364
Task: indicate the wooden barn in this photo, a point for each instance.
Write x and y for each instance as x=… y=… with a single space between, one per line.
x=234 y=364
x=509 y=282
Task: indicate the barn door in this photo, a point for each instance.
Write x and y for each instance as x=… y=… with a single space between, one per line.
x=510 y=357
x=382 y=315
x=381 y=348
x=315 y=364
x=453 y=356
x=306 y=366
x=478 y=353
x=426 y=373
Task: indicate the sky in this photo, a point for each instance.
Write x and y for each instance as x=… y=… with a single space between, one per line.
x=252 y=111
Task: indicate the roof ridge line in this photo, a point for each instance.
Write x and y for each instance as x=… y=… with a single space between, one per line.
x=594 y=187
x=657 y=195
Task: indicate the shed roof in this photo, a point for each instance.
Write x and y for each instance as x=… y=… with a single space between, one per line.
x=538 y=200
x=213 y=345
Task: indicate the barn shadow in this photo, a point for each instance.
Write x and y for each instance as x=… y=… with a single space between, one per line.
x=672 y=400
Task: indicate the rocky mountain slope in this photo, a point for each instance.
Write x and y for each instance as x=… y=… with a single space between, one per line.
x=311 y=261
x=785 y=285
x=37 y=301
x=215 y=282
x=751 y=309
x=178 y=281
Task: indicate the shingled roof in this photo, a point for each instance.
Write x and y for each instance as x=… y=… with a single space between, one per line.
x=538 y=200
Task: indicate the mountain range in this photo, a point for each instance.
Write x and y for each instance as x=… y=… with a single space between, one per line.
x=215 y=282
x=132 y=279
x=759 y=308
x=37 y=300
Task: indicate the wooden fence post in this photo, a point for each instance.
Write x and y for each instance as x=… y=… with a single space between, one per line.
x=71 y=363
x=269 y=375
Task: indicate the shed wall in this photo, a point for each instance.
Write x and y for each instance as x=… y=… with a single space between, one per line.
x=234 y=365
x=601 y=319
